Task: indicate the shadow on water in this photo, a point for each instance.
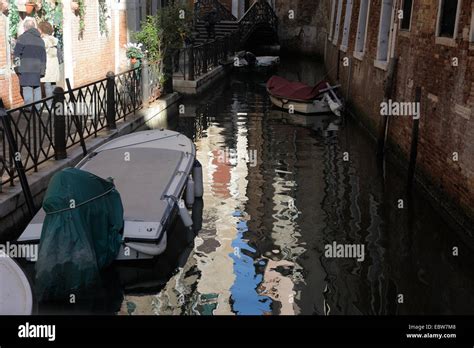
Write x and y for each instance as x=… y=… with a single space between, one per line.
x=279 y=189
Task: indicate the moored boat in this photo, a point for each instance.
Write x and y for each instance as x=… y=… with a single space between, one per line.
x=16 y=296
x=300 y=98
x=152 y=171
x=247 y=62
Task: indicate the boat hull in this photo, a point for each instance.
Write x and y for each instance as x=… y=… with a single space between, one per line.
x=16 y=296
x=150 y=170
x=315 y=107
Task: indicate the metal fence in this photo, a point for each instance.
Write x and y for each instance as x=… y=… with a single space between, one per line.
x=194 y=61
x=46 y=129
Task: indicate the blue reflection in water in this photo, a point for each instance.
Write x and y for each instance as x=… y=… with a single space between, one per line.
x=246 y=300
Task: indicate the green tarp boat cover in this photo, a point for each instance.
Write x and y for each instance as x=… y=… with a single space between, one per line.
x=81 y=234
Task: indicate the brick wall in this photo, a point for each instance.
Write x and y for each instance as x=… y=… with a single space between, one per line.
x=9 y=85
x=446 y=124
x=306 y=33
x=4 y=89
x=93 y=54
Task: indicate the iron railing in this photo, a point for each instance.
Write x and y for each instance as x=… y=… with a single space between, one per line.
x=45 y=129
x=203 y=7
x=260 y=13
x=195 y=60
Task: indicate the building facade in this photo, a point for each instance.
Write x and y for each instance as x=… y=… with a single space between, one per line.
x=87 y=56
x=426 y=44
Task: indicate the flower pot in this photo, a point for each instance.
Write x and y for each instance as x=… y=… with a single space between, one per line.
x=74 y=6
x=29 y=8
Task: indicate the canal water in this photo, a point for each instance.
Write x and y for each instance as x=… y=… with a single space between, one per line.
x=279 y=190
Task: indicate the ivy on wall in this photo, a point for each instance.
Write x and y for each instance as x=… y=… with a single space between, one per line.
x=82 y=17
x=103 y=17
x=14 y=19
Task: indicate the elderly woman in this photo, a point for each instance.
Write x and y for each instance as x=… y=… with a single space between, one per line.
x=52 y=74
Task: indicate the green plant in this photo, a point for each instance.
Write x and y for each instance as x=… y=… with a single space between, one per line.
x=150 y=38
x=53 y=14
x=82 y=16
x=163 y=34
x=134 y=50
x=103 y=17
x=14 y=19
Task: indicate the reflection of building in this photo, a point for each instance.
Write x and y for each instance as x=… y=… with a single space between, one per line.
x=87 y=58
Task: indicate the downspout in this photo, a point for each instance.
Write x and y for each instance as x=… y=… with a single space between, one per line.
x=388 y=90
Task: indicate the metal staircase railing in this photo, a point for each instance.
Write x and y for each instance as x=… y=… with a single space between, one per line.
x=260 y=13
x=202 y=7
x=196 y=60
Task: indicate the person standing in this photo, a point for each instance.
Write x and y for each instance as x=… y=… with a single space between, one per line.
x=211 y=19
x=52 y=75
x=30 y=59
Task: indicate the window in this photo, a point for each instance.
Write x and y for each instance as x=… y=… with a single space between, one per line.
x=448 y=15
x=407 y=10
x=362 y=26
x=347 y=25
x=385 y=29
x=338 y=22
x=333 y=13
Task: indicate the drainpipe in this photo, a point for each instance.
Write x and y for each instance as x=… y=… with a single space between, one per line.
x=385 y=122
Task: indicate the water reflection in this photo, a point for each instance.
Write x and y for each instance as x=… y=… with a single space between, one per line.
x=265 y=223
x=265 y=227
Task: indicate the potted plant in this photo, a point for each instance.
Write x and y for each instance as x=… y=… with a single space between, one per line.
x=134 y=52
x=30 y=6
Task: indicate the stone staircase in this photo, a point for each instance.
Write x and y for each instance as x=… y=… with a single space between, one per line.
x=222 y=29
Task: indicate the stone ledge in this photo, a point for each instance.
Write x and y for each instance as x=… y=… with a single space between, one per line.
x=201 y=84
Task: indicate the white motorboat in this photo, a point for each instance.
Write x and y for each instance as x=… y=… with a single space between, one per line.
x=16 y=297
x=153 y=171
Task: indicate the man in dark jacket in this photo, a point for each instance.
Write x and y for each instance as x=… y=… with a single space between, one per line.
x=211 y=19
x=30 y=59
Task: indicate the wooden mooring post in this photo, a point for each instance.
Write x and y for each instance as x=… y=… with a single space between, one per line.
x=414 y=141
